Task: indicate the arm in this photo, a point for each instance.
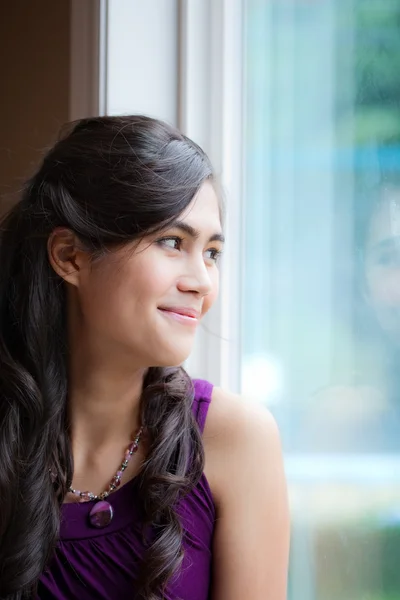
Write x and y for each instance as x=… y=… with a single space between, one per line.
x=251 y=542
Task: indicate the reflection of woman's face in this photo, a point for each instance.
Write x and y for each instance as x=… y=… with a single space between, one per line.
x=382 y=267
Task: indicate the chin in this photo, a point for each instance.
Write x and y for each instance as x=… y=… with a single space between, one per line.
x=172 y=357
x=173 y=361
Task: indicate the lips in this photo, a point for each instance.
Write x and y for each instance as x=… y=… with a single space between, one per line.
x=181 y=310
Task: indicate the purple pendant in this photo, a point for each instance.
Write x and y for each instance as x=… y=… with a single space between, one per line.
x=101 y=514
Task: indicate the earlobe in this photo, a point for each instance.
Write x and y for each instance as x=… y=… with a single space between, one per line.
x=65 y=255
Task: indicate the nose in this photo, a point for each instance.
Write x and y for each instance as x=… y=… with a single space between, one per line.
x=196 y=278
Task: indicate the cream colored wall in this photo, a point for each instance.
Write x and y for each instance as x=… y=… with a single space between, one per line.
x=34 y=84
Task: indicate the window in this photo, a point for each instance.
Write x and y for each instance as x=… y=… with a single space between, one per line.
x=320 y=305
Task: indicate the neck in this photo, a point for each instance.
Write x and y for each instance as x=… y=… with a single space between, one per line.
x=103 y=402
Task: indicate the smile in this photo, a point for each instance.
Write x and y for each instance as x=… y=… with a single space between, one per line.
x=184 y=318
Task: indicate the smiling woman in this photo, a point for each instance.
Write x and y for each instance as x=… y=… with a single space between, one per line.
x=113 y=483
x=183 y=277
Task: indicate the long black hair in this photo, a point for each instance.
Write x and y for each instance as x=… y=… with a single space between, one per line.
x=110 y=180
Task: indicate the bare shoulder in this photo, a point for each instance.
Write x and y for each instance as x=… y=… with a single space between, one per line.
x=230 y=415
x=244 y=467
x=237 y=434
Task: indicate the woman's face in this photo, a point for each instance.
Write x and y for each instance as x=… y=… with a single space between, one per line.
x=146 y=299
x=383 y=263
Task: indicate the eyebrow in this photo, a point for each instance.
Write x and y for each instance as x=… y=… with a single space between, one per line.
x=195 y=233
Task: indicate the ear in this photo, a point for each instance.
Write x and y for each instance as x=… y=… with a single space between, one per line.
x=66 y=255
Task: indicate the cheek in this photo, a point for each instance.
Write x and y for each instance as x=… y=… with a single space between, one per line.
x=151 y=281
x=109 y=289
x=213 y=295
x=102 y=296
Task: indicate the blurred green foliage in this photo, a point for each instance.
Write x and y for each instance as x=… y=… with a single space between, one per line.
x=375 y=28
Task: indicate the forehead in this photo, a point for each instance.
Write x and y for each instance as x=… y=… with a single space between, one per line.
x=204 y=212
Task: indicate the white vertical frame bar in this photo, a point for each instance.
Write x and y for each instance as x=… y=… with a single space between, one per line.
x=194 y=60
x=103 y=53
x=231 y=117
x=142 y=58
x=211 y=112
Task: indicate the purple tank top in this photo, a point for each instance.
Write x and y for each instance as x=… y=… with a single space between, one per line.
x=102 y=564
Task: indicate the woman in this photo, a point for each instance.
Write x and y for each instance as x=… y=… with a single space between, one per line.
x=113 y=483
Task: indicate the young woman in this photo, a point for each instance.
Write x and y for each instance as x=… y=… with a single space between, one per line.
x=119 y=476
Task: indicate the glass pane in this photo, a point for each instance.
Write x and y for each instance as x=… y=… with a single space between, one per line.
x=321 y=299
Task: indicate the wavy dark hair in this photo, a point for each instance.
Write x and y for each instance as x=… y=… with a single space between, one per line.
x=111 y=180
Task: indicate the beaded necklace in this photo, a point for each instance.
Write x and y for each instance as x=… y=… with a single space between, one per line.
x=102 y=512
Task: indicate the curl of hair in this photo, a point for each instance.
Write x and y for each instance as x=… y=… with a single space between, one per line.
x=110 y=180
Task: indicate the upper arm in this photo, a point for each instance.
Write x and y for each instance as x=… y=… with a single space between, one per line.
x=251 y=541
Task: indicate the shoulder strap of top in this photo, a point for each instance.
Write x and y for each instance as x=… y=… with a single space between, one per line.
x=202 y=398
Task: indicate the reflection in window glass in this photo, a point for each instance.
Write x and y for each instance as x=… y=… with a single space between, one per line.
x=321 y=300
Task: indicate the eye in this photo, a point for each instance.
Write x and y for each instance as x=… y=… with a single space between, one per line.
x=213 y=254
x=173 y=242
